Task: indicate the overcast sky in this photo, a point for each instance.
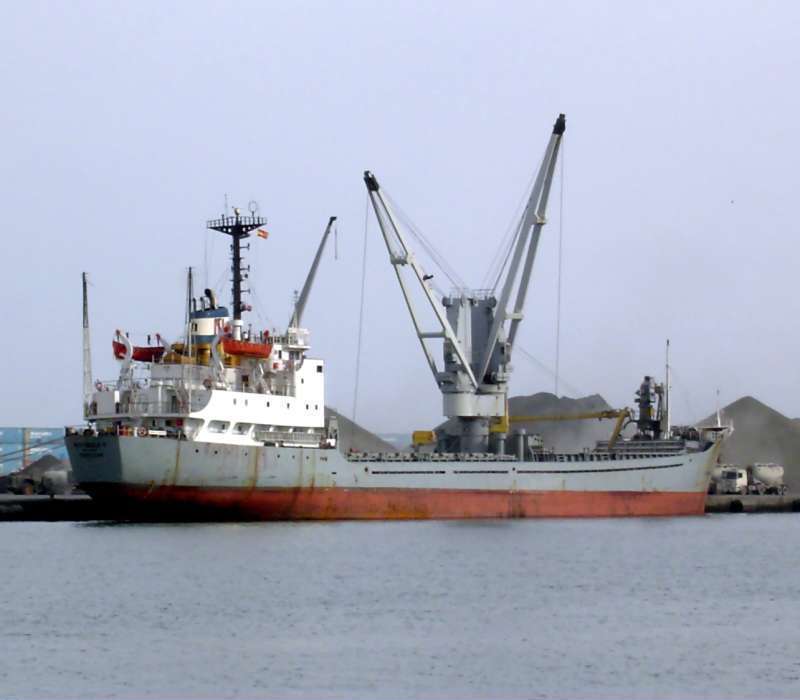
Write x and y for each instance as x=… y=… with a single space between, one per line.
x=125 y=124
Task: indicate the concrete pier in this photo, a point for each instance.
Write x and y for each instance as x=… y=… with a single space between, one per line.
x=753 y=504
x=50 y=508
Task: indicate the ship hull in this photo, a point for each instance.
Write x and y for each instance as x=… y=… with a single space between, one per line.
x=334 y=503
x=149 y=478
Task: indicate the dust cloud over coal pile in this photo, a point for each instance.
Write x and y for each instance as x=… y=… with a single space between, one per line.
x=761 y=434
x=567 y=435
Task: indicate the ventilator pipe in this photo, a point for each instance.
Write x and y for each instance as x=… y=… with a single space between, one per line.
x=217 y=365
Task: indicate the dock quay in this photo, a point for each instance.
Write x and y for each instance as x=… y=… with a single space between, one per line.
x=74 y=507
x=788 y=503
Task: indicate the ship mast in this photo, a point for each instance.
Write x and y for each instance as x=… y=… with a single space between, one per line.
x=238 y=227
x=667 y=408
x=185 y=368
x=87 y=351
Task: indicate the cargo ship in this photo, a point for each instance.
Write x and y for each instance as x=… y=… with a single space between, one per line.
x=230 y=422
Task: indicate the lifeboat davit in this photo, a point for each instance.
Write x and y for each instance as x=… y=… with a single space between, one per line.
x=146 y=353
x=246 y=348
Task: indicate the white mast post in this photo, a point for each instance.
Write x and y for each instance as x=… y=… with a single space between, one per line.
x=87 y=352
x=667 y=407
x=191 y=370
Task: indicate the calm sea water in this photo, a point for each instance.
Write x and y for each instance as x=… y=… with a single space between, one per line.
x=697 y=607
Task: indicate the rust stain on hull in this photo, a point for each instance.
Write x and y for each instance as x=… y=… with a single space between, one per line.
x=391 y=504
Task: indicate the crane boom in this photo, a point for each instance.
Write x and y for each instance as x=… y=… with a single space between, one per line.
x=621 y=415
x=476 y=350
x=599 y=415
x=299 y=307
x=533 y=219
x=400 y=256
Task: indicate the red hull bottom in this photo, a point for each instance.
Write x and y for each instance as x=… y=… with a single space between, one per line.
x=178 y=502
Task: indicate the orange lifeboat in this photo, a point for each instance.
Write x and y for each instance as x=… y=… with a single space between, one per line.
x=245 y=348
x=147 y=353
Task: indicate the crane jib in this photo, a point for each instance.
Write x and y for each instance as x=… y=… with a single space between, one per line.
x=472 y=325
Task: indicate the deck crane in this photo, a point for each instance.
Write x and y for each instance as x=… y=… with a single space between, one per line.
x=477 y=329
x=620 y=417
x=300 y=304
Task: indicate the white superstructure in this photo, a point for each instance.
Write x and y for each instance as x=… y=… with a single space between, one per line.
x=279 y=399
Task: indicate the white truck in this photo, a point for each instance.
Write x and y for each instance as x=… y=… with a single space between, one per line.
x=757 y=479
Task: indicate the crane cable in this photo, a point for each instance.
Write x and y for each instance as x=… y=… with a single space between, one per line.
x=512 y=231
x=436 y=257
x=560 y=251
x=575 y=391
x=361 y=310
x=499 y=261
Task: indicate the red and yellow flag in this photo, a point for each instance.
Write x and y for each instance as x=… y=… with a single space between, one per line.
x=262 y=233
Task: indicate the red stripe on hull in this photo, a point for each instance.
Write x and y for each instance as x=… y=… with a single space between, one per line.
x=178 y=502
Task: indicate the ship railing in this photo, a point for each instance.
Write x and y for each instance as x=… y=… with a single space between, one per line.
x=107 y=385
x=112 y=385
x=142 y=383
x=597 y=456
x=142 y=408
x=296 y=337
x=169 y=433
x=355 y=456
x=540 y=456
x=284 y=437
x=477 y=294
